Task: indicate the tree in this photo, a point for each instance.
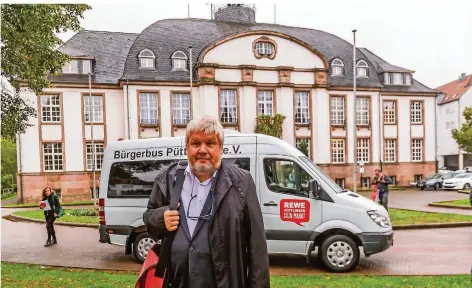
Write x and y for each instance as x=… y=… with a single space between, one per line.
x=15 y=114
x=29 y=41
x=463 y=136
x=270 y=125
x=303 y=147
x=9 y=166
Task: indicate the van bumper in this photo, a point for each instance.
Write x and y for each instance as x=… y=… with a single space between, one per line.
x=104 y=236
x=374 y=243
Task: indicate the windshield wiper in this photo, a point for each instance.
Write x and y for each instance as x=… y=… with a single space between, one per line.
x=344 y=191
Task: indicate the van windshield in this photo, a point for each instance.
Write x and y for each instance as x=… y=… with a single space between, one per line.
x=321 y=174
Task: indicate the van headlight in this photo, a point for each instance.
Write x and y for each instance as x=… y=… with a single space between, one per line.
x=379 y=218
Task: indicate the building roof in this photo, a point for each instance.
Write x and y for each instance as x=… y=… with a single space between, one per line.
x=381 y=65
x=456 y=89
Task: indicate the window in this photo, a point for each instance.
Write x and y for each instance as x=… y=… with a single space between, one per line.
x=287 y=177
x=57 y=191
x=265 y=102
x=365 y=182
x=146 y=59
x=243 y=163
x=416 y=112
x=386 y=78
x=407 y=79
x=134 y=179
x=337 y=150
x=361 y=69
x=71 y=67
x=86 y=66
x=394 y=180
x=99 y=149
x=179 y=61
x=362 y=111
x=228 y=107
x=397 y=78
x=93 y=108
x=340 y=182
x=50 y=108
x=148 y=109
x=264 y=48
x=418 y=178
x=417 y=150
x=301 y=108
x=337 y=67
x=52 y=154
x=389 y=112
x=390 y=150
x=181 y=108
x=337 y=110
x=303 y=144
x=363 y=150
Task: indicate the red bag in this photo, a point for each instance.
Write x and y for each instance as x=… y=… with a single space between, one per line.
x=147 y=277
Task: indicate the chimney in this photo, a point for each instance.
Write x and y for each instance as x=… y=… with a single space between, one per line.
x=239 y=13
x=462 y=77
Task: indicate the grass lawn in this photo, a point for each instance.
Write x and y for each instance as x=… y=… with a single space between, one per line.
x=403 y=217
x=22 y=275
x=39 y=214
x=8 y=196
x=63 y=204
x=462 y=202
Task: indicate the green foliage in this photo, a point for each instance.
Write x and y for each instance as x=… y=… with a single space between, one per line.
x=84 y=212
x=9 y=166
x=29 y=38
x=270 y=125
x=303 y=147
x=16 y=112
x=463 y=136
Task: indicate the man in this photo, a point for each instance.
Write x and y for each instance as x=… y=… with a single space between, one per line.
x=382 y=184
x=219 y=238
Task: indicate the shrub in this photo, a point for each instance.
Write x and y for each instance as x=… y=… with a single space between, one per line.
x=84 y=212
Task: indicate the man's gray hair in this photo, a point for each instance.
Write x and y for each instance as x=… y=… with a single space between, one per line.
x=207 y=125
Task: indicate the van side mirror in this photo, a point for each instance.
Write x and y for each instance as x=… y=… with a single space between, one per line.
x=314 y=189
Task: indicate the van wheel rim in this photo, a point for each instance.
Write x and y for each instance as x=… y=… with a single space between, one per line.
x=340 y=254
x=144 y=245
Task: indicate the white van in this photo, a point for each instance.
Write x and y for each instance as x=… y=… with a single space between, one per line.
x=303 y=208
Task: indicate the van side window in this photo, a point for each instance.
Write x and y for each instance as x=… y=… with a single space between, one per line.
x=285 y=176
x=243 y=163
x=134 y=179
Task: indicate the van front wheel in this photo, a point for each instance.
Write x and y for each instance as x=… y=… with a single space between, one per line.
x=141 y=246
x=340 y=253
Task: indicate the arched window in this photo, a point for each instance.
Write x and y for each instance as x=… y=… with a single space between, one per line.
x=337 y=67
x=146 y=59
x=179 y=61
x=362 y=68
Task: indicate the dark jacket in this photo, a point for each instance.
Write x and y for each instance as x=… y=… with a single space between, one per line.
x=383 y=187
x=236 y=235
x=54 y=203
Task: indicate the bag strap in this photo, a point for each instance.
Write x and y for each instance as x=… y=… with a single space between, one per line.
x=177 y=186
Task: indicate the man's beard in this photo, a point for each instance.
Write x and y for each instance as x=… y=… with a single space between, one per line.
x=204 y=169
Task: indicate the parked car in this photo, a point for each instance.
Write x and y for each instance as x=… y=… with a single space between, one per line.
x=436 y=181
x=461 y=181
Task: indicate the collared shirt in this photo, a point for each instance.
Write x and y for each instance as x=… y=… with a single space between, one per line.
x=193 y=187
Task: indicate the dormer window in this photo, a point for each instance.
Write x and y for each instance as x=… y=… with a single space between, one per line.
x=264 y=47
x=71 y=68
x=179 y=61
x=386 y=78
x=407 y=79
x=337 y=67
x=86 y=66
x=397 y=79
x=146 y=59
x=361 y=68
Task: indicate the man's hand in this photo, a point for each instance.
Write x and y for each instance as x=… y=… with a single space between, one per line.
x=171 y=219
x=55 y=215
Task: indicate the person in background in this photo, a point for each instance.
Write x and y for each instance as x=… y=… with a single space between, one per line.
x=382 y=183
x=51 y=215
x=374 y=190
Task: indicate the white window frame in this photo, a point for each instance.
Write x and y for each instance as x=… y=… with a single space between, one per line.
x=148 y=108
x=389 y=114
x=365 y=184
x=362 y=69
x=51 y=108
x=408 y=79
x=362 y=111
x=416 y=150
x=99 y=152
x=338 y=151
x=416 y=112
x=71 y=67
x=228 y=106
x=264 y=48
x=181 y=108
x=179 y=61
x=95 y=115
x=386 y=78
x=337 y=110
x=337 y=67
x=146 y=61
x=397 y=79
x=390 y=150
x=363 y=150
x=341 y=182
x=298 y=142
x=53 y=157
x=302 y=107
x=86 y=66
x=265 y=102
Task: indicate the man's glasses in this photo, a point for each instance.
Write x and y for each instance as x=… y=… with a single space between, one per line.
x=202 y=217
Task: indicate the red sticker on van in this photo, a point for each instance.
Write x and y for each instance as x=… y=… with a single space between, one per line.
x=296 y=211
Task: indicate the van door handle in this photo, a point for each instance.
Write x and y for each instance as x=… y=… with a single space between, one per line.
x=271 y=203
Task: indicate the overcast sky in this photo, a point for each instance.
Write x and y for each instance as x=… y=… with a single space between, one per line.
x=433 y=38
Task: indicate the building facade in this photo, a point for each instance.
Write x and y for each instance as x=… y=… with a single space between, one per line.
x=140 y=88
x=454 y=98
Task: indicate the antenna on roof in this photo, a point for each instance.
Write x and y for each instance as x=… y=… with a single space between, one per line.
x=275 y=14
x=188 y=10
